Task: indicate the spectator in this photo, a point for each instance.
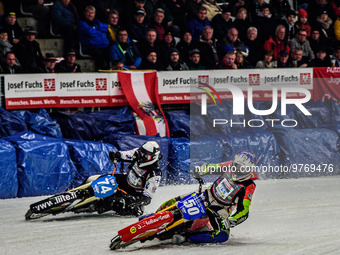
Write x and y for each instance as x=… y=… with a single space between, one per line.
x=280 y=9
x=336 y=55
x=158 y=23
x=175 y=63
x=265 y=23
x=242 y=23
x=68 y=65
x=148 y=43
x=5 y=45
x=28 y=51
x=137 y=28
x=113 y=26
x=65 y=18
x=314 y=8
x=209 y=48
x=228 y=61
x=267 y=61
x=9 y=66
x=335 y=5
x=103 y=7
x=48 y=64
x=256 y=50
x=165 y=45
x=212 y=8
x=186 y=45
x=283 y=60
x=232 y=42
x=192 y=7
x=337 y=28
x=178 y=10
x=194 y=62
x=296 y=55
x=221 y=23
x=152 y=5
x=92 y=36
x=300 y=42
x=196 y=25
x=150 y=62
x=41 y=11
x=125 y=50
x=302 y=22
x=235 y=5
x=289 y=23
x=316 y=41
x=321 y=59
x=131 y=8
x=117 y=65
x=14 y=31
x=255 y=9
x=278 y=42
x=240 y=61
x=325 y=23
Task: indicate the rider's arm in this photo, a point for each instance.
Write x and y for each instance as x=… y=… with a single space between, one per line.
x=128 y=155
x=212 y=168
x=243 y=205
x=151 y=185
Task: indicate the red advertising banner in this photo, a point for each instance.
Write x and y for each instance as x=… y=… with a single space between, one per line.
x=326 y=83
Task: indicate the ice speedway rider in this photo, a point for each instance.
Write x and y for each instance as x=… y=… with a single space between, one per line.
x=139 y=184
x=224 y=211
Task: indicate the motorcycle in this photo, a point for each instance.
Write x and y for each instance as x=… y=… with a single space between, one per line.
x=81 y=199
x=165 y=223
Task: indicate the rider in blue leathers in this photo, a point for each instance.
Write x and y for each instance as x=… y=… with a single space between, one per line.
x=223 y=211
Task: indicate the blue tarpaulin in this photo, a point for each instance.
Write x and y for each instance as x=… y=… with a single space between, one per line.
x=10 y=124
x=8 y=170
x=179 y=123
x=309 y=148
x=90 y=158
x=44 y=164
x=40 y=123
x=93 y=126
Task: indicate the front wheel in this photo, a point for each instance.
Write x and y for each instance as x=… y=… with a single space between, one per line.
x=117 y=243
x=32 y=216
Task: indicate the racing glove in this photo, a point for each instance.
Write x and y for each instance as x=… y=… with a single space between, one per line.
x=232 y=221
x=115 y=156
x=201 y=170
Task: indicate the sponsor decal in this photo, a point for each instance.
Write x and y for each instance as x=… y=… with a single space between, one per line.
x=305 y=79
x=49 y=84
x=254 y=79
x=101 y=84
x=133 y=230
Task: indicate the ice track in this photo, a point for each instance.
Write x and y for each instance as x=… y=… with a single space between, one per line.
x=290 y=216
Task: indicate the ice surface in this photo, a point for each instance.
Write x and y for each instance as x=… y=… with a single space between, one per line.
x=290 y=216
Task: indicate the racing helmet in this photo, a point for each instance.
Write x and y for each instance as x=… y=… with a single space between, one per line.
x=243 y=166
x=148 y=154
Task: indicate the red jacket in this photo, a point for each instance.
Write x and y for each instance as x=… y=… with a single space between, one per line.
x=272 y=44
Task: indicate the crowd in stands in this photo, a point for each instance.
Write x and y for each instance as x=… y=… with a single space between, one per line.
x=172 y=34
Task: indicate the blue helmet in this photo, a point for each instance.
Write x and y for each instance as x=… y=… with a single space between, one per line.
x=243 y=166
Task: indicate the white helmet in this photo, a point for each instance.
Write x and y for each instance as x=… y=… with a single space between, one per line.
x=148 y=154
x=243 y=166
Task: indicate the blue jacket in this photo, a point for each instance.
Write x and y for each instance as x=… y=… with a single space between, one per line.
x=117 y=53
x=196 y=26
x=62 y=16
x=93 y=34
